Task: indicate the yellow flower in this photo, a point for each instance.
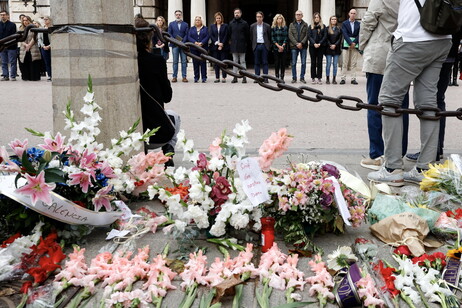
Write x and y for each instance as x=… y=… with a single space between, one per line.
x=428 y=183
x=454 y=253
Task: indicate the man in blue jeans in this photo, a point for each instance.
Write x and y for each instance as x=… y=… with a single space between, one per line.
x=378 y=23
x=8 y=55
x=298 y=38
x=178 y=29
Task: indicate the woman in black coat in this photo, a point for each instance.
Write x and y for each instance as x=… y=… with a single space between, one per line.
x=333 y=50
x=155 y=89
x=317 y=34
x=219 y=43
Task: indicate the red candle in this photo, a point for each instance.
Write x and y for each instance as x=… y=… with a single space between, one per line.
x=267 y=233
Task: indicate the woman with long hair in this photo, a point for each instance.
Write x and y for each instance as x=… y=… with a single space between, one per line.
x=29 y=55
x=219 y=44
x=317 y=35
x=333 y=50
x=160 y=47
x=199 y=35
x=279 y=39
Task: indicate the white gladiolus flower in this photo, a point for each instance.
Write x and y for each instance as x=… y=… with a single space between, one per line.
x=239 y=221
x=152 y=191
x=89 y=97
x=180 y=225
x=180 y=174
x=216 y=164
x=181 y=137
x=242 y=129
x=200 y=217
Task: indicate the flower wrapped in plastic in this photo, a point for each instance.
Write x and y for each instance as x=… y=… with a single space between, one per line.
x=305 y=202
x=210 y=194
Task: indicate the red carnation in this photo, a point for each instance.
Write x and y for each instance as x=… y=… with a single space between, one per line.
x=402 y=250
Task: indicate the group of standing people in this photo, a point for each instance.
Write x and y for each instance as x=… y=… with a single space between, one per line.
x=32 y=54
x=279 y=38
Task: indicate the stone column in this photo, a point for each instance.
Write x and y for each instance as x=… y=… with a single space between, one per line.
x=306 y=6
x=327 y=10
x=198 y=9
x=109 y=57
x=174 y=5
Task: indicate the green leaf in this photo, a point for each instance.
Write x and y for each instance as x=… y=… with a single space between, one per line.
x=34 y=132
x=53 y=177
x=27 y=164
x=90 y=84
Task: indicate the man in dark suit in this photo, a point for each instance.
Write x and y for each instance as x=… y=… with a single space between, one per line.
x=350 y=54
x=178 y=29
x=260 y=37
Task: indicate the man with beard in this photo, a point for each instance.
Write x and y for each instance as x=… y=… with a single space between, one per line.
x=238 y=30
x=178 y=29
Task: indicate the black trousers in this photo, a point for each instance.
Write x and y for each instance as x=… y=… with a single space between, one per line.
x=316 y=55
x=280 y=59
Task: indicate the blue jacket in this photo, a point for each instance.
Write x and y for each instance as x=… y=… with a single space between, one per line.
x=347 y=34
x=6 y=29
x=176 y=33
x=224 y=38
x=202 y=37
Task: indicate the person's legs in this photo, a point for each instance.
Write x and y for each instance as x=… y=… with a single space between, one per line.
x=203 y=66
x=354 y=54
x=335 y=65
x=303 y=60
x=293 y=64
x=257 y=58
x=235 y=59
x=176 y=119
x=313 y=62
x=196 y=69
x=242 y=60
x=405 y=104
x=328 y=64
x=46 y=56
x=4 y=56
x=221 y=57
x=277 y=63
x=283 y=57
x=442 y=86
x=319 y=55
x=264 y=59
x=175 y=55
x=374 y=118
x=184 y=63
x=216 y=54
x=346 y=53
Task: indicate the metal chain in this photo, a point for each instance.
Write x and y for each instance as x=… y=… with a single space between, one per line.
x=304 y=92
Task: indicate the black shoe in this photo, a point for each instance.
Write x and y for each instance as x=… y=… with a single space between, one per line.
x=234 y=80
x=244 y=80
x=255 y=81
x=342 y=82
x=354 y=82
x=294 y=80
x=216 y=81
x=302 y=81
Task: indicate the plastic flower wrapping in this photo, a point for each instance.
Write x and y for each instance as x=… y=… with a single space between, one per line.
x=210 y=193
x=304 y=202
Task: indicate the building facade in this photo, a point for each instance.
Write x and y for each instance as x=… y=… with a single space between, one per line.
x=207 y=8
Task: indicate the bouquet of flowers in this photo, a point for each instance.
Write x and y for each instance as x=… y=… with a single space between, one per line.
x=304 y=202
x=446 y=178
x=210 y=194
x=80 y=169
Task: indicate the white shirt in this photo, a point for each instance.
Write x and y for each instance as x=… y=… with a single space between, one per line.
x=260 y=38
x=352 y=25
x=409 y=27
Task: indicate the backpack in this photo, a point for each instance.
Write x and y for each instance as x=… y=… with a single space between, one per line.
x=440 y=16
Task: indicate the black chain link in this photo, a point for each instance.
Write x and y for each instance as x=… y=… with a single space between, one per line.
x=227 y=66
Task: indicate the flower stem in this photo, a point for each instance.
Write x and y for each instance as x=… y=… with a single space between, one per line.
x=422 y=296
x=237 y=298
x=407 y=300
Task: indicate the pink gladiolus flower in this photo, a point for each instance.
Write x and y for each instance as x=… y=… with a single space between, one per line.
x=152 y=223
x=37 y=188
x=195 y=270
x=18 y=147
x=156 y=158
x=215 y=149
x=273 y=147
x=102 y=198
x=83 y=179
x=54 y=145
x=75 y=269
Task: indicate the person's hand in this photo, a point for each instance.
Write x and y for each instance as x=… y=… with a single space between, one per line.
x=332 y=47
x=317 y=45
x=27 y=47
x=299 y=45
x=352 y=45
x=281 y=49
x=220 y=45
x=161 y=45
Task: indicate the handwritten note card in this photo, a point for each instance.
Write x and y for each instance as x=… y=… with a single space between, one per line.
x=253 y=183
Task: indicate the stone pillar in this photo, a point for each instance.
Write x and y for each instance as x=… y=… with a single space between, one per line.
x=109 y=57
x=174 y=5
x=306 y=6
x=198 y=9
x=327 y=10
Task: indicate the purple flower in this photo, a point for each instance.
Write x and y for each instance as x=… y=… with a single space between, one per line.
x=220 y=191
x=202 y=162
x=326 y=200
x=331 y=170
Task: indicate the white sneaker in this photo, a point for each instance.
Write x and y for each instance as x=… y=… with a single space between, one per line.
x=372 y=163
x=413 y=176
x=394 y=178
